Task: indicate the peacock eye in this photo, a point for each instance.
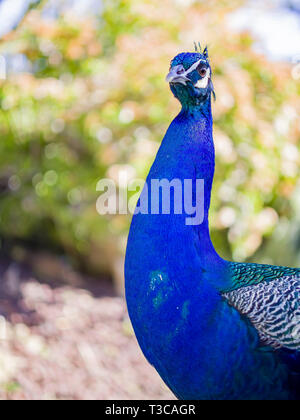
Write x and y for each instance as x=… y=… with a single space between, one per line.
x=202 y=71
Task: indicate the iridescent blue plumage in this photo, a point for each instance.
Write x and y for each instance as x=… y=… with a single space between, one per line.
x=212 y=329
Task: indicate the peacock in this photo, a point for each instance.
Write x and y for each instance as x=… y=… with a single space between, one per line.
x=213 y=329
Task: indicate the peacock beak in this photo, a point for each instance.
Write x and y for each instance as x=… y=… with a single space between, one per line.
x=176 y=75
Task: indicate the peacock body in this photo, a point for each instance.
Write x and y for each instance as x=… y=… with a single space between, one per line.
x=213 y=329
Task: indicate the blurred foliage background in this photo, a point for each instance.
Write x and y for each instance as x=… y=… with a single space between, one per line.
x=85 y=98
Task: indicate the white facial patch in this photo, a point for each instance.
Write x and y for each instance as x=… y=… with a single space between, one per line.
x=194 y=66
x=203 y=83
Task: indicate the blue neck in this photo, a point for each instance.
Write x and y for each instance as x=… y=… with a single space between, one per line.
x=198 y=110
x=195 y=122
x=186 y=152
x=166 y=259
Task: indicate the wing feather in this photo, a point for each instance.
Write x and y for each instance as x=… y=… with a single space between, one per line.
x=273 y=307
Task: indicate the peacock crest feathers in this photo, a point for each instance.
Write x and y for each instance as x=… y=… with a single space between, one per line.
x=187 y=58
x=198 y=49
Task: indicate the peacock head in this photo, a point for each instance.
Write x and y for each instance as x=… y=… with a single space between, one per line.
x=190 y=77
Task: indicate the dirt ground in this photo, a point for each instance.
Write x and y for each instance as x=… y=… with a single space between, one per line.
x=60 y=341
